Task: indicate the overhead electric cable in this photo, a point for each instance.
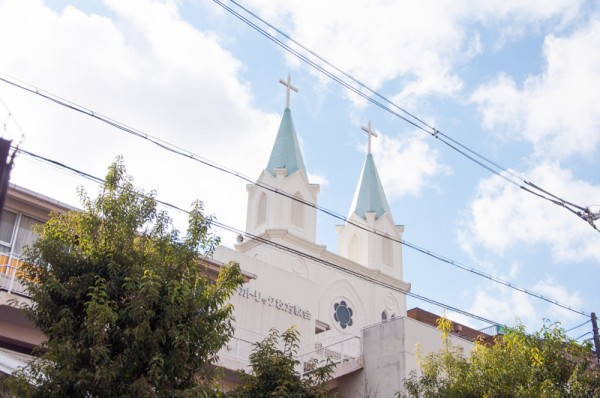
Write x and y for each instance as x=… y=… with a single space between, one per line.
x=59 y=165
x=578 y=326
x=276 y=245
x=179 y=151
x=583 y=335
x=434 y=132
x=190 y=155
x=485 y=162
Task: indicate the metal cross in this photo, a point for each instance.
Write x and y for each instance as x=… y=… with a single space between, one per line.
x=371 y=133
x=288 y=84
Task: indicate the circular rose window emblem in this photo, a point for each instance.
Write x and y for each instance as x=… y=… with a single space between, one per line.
x=342 y=314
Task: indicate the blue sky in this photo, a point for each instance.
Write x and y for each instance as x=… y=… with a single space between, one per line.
x=515 y=81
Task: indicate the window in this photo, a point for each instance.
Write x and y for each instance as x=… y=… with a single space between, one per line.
x=342 y=314
x=354 y=249
x=16 y=232
x=384 y=315
x=386 y=251
x=261 y=217
x=297 y=210
x=7 y=227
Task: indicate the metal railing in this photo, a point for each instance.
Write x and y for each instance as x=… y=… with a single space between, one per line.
x=239 y=350
x=241 y=345
x=338 y=349
x=10 y=281
x=489 y=331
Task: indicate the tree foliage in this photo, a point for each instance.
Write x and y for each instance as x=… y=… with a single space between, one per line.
x=544 y=364
x=124 y=299
x=274 y=370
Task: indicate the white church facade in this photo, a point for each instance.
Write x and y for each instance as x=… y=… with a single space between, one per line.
x=349 y=306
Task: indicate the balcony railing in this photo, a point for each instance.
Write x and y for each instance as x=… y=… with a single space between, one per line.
x=11 y=275
x=240 y=346
x=484 y=333
x=337 y=350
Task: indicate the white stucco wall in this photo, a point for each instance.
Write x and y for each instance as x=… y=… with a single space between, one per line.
x=390 y=354
x=306 y=286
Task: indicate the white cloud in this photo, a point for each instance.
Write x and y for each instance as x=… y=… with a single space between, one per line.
x=503 y=216
x=416 y=45
x=554 y=291
x=475 y=47
x=406 y=164
x=556 y=111
x=508 y=306
x=514 y=17
x=514 y=270
x=381 y=41
x=505 y=306
x=526 y=11
x=150 y=70
x=318 y=179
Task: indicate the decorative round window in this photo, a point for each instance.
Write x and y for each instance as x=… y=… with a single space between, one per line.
x=342 y=314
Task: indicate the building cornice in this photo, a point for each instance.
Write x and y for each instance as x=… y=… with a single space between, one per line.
x=321 y=252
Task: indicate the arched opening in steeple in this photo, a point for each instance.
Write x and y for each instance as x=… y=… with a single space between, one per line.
x=354 y=248
x=297 y=210
x=386 y=251
x=261 y=211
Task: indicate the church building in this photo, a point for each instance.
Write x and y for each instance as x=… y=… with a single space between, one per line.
x=349 y=306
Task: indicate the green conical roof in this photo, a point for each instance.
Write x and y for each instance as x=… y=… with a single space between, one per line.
x=370 y=196
x=286 y=150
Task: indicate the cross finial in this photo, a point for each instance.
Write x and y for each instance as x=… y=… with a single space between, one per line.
x=370 y=133
x=288 y=84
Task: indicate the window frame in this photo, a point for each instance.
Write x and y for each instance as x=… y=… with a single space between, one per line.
x=10 y=246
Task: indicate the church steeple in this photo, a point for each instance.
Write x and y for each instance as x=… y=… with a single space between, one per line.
x=286 y=150
x=370 y=197
x=285 y=171
x=370 y=208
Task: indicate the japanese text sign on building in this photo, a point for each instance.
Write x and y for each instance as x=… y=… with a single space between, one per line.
x=274 y=302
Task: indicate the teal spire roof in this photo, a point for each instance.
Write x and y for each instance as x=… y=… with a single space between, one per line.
x=370 y=196
x=286 y=150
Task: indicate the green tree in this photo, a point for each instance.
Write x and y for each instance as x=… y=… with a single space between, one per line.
x=274 y=371
x=545 y=364
x=124 y=299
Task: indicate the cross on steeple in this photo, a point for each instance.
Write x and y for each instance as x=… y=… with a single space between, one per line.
x=370 y=133
x=288 y=84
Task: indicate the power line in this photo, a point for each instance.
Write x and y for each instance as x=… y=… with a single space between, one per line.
x=422 y=250
x=424 y=126
x=577 y=327
x=493 y=167
x=275 y=245
x=583 y=335
x=60 y=165
x=190 y=155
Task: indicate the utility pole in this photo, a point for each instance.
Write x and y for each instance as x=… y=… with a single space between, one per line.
x=596 y=337
x=5 y=166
